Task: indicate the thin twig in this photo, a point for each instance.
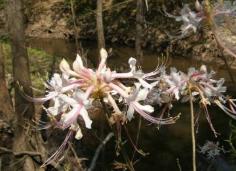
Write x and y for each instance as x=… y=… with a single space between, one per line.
x=230 y=141
x=192 y=130
x=21 y=153
x=98 y=150
x=137 y=136
x=78 y=160
x=115 y=6
x=127 y=160
x=123 y=152
x=0 y=164
x=105 y=109
x=17 y=161
x=74 y=24
x=73 y=151
x=178 y=164
x=133 y=144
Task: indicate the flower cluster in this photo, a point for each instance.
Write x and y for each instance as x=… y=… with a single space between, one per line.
x=73 y=92
x=75 y=89
x=191 y=20
x=176 y=84
x=199 y=84
x=216 y=15
x=211 y=149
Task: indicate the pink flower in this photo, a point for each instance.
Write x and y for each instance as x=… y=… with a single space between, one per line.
x=74 y=90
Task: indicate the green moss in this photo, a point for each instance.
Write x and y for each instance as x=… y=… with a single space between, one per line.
x=2 y=3
x=40 y=64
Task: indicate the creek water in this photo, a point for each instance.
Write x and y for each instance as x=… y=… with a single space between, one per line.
x=169 y=146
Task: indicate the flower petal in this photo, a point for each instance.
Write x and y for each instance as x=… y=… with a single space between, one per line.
x=68 y=100
x=78 y=64
x=70 y=117
x=49 y=96
x=132 y=63
x=85 y=116
x=145 y=108
x=103 y=54
x=145 y=84
x=130 y=112
x=142 y=94
x=64 y=66
x=78 y=134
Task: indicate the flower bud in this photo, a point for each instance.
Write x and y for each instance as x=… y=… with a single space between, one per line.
x=103 y=54
x=78 y=64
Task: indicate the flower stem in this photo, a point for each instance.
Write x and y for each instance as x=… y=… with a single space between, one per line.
x=192 y=130
x=137 y=135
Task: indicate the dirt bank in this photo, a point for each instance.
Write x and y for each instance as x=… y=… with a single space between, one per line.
x=53 y=19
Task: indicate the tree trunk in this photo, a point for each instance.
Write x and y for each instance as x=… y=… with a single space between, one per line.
x=79 y=49
x=6 y=110
x=6 y=116
x=26 y=138
x=100 y=30
x=75 y=26
x=139 y=30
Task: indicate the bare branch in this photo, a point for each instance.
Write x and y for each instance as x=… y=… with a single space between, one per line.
x=98 y=150
x=20 y=153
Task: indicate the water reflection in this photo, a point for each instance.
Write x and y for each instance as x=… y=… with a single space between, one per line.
x=55 y=47
x=119 y=57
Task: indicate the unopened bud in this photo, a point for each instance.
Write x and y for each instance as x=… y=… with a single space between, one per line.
x=103 y=54
x=198 y=6
x=203 y=68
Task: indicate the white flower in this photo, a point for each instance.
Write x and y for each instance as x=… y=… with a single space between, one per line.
x=74 y=90
x=176 y=83
x=190 y=19
x=78 y=108
x=132 y=64
x=211 y=149
x=59 y=107
x=78 y=64
x=65 y=68
x=138 y=95
x=77 y=129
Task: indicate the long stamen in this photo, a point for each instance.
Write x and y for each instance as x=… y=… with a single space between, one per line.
x=70 y=87
x=160 y=121
x=56 y=155
x=122 y=75
x=225 y=109
x=209 y=120
x=119 y=90
x=41 y=99
x=122 y=86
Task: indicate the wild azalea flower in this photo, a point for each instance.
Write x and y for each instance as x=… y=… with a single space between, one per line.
x=191 y=20
x=175 y=86
x=75 y=88
x=211 y=149
x=220 y=16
